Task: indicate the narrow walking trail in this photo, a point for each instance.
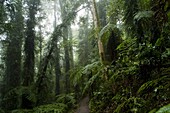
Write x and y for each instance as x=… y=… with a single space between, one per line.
x=83 y=106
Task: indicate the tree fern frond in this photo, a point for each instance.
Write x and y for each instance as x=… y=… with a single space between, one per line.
x=105 y=32
x=2 y=111
x=143 y=14
x=152 y=84
x=83 y=72
x=165 y=71
x=153 y=111
x=19 y=91
x=106 y=28
x=22 y=111
x=67 y=99
x=119 y=108
x=91 y=81
x=92 y=67
x=134 y=103
x=76 y=75
x=51 y=108
x=164 y=109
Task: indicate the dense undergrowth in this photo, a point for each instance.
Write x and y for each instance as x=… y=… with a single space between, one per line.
x=133 y=85
x=62 y=104
x=136 y=83
x=137 y=80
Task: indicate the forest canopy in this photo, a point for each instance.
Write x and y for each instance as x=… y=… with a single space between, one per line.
x=84 y=56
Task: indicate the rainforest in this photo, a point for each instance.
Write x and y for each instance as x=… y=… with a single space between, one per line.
x=84 y=56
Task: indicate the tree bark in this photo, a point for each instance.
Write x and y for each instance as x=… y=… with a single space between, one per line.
x=66 y=48
x=13 y=57
x=97 y=28
x=57 y=58
x=29 y=48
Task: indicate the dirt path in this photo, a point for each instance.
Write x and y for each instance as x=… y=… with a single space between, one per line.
x=83 y=106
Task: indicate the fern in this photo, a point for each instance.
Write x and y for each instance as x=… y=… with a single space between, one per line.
x=91 y=67
x=78 y=74
x=153 y=84
x=2 y=111
x=153 y=111
x=67 y=99
x=119 y=108
x=22 y=111
x=164 y=109
x=143 y=14
x=90 y=82
x=51 y=108
x=19 y=91
x=105 y=33
x=134 y=103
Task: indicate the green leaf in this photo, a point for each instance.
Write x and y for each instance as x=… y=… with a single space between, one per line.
x=143 y=14
x=90 y=82
x=105 y=32
x=51 y=108
x=153 y=111
x=152 y=83
x=164 y=109
x=22 y=111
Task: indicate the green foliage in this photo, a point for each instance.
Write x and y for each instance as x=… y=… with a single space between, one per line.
x=106 y=30
x=152 y=111
x=2 y=111
x=48 y=108
x=157 y=84
x=133 y=104
x=22 y=111
x=139 y=80
x=62 y=104
x=136 y=82
x=67 y=99
x=19 y=91
x=51 y=108
x=90 y=82
x=115 y=13
x=76 y=75
x=143 y=14
x=89 y=74
x=164 y=109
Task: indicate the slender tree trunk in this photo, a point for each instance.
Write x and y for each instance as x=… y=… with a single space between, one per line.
x=40 y=46
x=67 y=60
x=66 y=49
x=57 y=58
x=97 y=27
x=57 y=71
x=71 y=48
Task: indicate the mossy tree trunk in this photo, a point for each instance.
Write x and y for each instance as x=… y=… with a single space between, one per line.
x=29 y=48
x=66 y=46
x=13 y=56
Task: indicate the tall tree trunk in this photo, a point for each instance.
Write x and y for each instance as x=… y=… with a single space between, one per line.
x=29 y=47
x=67 y=60
x=57 y=70
x=13 y=56
x=57 y=58
x=71 y=47
x=40 y=47
x=97 y=28
x=66 y=48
